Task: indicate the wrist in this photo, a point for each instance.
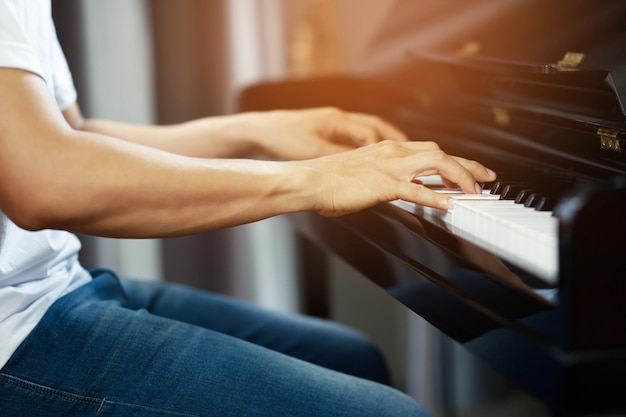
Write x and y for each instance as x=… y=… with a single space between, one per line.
x=257 y=130
x=305 y=185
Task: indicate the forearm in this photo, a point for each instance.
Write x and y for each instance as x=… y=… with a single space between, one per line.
x=232 y=136
x=112 y=188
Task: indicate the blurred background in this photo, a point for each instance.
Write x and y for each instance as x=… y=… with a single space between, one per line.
x=160 y=61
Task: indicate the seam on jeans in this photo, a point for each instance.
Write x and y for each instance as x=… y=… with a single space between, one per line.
x=42 y=389
x=97 y=402
x=101 y=405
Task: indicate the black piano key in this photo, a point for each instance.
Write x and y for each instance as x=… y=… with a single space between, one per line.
x=494 y=187
x=532 y=200
x=523 y=195
x=486 y=185
x=499 y=186
x=540 y=194
x=511 y=191
x=545 y=203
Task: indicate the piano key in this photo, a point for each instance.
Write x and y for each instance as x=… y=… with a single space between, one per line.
x=520 y=235
x=497 y=187
x=511 y=191
x=545 y=203
x=532 y=200
x=523 y=195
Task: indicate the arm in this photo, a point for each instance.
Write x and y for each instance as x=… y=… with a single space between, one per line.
x=279 y=134
x=54 y=176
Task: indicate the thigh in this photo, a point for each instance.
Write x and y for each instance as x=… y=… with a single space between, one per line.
x=93 y=355
x=314 y=340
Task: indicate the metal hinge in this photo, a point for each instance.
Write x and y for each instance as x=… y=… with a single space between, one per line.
x=609 y=139
x=571 y=61
x=501 y=116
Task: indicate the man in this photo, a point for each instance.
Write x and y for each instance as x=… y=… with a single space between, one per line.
x=78 y=342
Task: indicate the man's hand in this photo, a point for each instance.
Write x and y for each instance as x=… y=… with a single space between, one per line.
x=382 y=172
x=311 y=133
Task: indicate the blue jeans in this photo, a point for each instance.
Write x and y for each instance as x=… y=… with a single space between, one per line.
x=114 y=348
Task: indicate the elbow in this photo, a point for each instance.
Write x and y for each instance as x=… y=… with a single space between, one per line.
x=27 y=220
x=30 y=213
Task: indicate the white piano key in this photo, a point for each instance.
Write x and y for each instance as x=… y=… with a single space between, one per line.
x=522 y=236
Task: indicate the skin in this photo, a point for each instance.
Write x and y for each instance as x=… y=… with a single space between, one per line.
x=61 y=171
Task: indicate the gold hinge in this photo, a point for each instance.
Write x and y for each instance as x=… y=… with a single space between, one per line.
x=501 y=116
x=571 y=61
x=609 y=139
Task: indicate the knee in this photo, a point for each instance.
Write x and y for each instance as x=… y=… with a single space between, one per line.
x=375 y=400
x=353 y=353
x=368 y=359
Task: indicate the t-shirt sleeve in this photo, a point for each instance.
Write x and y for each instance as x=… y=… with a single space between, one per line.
x=46 y=59
x=15 y=50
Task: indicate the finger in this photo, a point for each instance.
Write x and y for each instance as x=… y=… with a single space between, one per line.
x=354 y=133
x=363 y=129
x=382 y=129
x=478 y=170
x=448 y=167
x=448 y=184
x=422 y=145
x=454 y=171
x=421 y=194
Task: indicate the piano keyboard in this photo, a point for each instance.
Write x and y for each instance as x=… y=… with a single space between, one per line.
x=523 y=236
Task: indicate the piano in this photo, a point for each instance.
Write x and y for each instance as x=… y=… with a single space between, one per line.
x=529 y=276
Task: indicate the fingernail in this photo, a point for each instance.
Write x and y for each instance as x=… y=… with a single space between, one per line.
x=478 y=189
x=491 y=173
x=450 y=203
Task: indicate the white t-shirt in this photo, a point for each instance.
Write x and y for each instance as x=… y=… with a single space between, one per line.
x=36 y=268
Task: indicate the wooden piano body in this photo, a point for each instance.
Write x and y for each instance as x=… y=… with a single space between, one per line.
x=564 y=339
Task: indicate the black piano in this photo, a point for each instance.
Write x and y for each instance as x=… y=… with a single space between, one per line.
x=532 y=277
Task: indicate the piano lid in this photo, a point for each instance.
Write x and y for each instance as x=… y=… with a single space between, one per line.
x=511 y=30
x=558 y=107
x=561 y=87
